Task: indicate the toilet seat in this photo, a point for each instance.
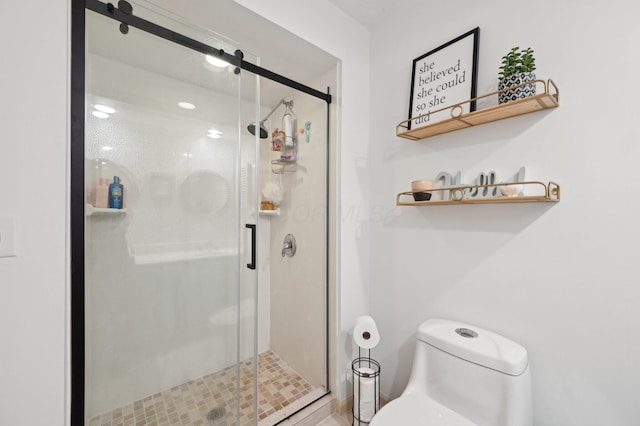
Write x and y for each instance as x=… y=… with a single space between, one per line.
x=417 y=410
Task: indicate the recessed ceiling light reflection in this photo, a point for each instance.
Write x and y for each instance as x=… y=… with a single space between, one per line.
x=186 y=105
x=216 y=62
x=104 y=108
x=214 y=134
x=100 y=114
x=107 y=148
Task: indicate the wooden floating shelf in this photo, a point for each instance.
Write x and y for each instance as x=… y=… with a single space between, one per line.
x=550 y=194
x=546 y=100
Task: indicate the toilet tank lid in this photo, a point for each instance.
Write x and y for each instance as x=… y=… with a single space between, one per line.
x=475 y=344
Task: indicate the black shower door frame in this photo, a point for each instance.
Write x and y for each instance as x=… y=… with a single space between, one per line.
x=123 y=14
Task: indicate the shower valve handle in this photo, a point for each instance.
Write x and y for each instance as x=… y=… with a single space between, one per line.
x=289 y=246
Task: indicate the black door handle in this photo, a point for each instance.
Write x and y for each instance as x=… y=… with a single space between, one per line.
x=252 y=265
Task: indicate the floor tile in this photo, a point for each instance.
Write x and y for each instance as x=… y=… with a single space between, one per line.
x=211 y=400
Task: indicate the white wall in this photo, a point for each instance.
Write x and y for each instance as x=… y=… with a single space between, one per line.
x=559 y=279
x=33 y=165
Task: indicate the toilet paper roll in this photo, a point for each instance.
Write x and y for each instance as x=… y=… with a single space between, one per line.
x=364 y=395
x=365 y=332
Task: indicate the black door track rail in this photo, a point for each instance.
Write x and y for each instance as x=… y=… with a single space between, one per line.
x=124 y=14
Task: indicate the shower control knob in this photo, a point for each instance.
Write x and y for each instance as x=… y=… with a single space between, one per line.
x=289 y=246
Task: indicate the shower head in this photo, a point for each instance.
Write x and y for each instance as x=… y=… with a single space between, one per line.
x=264 y=134
x=263 y=131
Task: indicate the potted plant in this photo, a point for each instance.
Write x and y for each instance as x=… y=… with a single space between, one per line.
x=517 y=68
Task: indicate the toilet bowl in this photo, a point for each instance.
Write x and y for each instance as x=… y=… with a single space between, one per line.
x=417 y=409
x=463 y=375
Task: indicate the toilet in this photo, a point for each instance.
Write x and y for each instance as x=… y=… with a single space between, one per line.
x=463 y=375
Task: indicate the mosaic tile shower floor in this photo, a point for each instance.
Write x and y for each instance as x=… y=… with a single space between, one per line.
x=210 y=400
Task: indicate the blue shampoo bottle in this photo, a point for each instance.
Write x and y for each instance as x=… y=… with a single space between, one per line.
x=116 y=192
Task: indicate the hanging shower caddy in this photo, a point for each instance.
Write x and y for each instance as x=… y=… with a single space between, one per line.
x=284 y=142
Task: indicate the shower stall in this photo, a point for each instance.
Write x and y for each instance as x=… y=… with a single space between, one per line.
x=187 y=307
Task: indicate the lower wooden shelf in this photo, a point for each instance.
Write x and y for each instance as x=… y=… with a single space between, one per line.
x=547 y=193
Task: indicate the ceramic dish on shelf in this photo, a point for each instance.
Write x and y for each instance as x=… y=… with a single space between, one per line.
x=422 y=196
x=420 y=189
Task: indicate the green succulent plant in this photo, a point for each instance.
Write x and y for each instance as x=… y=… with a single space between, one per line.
x=517 y=61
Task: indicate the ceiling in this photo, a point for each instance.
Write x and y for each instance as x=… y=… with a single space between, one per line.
x=368 y=12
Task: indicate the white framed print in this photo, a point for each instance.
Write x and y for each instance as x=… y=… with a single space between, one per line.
x=444 y=77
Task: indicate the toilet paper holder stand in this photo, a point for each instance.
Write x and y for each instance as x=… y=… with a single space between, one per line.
x=366 y=387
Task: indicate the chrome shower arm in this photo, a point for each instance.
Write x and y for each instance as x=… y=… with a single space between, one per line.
x=282 y=101
x=272 y=111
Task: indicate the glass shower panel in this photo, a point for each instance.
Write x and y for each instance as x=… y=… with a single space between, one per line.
x=164 y=322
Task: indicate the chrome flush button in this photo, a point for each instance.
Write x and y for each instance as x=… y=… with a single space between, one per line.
x=465 y=332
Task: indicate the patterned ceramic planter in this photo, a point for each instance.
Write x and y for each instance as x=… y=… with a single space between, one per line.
x=519 y=92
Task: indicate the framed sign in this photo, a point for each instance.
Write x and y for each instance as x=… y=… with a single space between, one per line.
x=444 y=77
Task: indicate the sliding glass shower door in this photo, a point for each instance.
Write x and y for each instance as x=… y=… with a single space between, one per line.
x=169 y=301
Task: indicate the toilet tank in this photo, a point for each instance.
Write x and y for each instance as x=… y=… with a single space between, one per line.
x=479 y=374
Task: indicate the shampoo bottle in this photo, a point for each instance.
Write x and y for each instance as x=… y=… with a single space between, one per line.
x=115 y=194
x=102 y=194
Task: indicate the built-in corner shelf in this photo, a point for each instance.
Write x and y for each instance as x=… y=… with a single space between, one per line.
x=536 y=192
x=275 y=212
x=549 y=98
x=96 y=211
